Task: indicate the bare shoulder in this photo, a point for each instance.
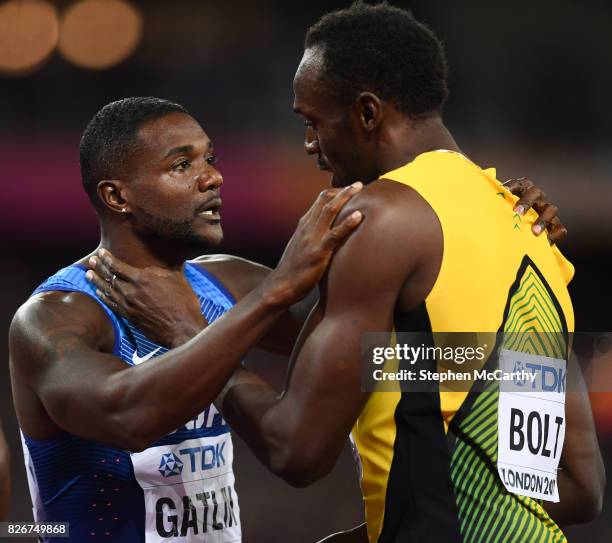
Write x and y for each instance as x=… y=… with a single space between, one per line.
x=399 y=240
x=53 y=319
x=389 y=201
x=238 y=275
x=55 y=307
x=396 y=217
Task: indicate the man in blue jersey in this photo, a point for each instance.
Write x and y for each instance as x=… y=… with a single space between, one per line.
x=131 y=452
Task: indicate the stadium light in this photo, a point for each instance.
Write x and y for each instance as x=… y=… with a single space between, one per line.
x=29 y=31
x=98 y=34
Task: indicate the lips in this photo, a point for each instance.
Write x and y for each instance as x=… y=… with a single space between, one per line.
x=210 y=210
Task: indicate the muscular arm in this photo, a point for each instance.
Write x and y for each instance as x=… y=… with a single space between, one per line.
x=60 y=345
x=300 y=435
x=60 y=342
x=582 y=476
x=5 y=478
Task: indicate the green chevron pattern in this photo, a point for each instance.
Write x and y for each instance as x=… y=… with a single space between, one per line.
x=488 y=513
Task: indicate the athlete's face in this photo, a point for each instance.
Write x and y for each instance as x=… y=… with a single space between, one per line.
x=173 y=193
x=332 y=131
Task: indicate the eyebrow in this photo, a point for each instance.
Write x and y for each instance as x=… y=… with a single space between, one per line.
x=179 y=150
x=185 y=149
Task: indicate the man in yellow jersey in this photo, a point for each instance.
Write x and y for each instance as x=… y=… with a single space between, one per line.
x=371 y=86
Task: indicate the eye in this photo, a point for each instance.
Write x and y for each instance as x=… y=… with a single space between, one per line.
x=182 y=165
x=212 y=159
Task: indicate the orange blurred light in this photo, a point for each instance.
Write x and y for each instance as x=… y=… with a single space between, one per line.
x=28 y=35
x=97 y=34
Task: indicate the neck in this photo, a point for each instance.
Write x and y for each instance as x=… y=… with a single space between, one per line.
x=403 y=141
x=140 y=251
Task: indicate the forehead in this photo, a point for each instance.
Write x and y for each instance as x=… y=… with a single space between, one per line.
x=311 y=65
x=309 y=86
x=170 y=131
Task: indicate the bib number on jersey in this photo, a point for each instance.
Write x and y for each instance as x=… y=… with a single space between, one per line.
x=531 y=424
x=189 y=491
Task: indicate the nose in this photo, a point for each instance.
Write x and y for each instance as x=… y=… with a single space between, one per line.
x=210 y=179
x=311 y=143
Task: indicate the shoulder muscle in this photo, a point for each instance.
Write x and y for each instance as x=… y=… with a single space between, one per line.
x=49 y=324
x=238 y=275
x=399 y=236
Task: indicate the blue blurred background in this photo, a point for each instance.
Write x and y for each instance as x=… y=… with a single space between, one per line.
x=530 y=91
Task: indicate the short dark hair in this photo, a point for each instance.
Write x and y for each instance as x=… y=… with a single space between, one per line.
x=112 y=135
x=385 y=50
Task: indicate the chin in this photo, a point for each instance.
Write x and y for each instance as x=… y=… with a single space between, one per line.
x=212 y=236
x=216 y=241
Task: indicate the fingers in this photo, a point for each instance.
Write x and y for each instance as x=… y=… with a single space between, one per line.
x=528 y=198
x=527 y=192
x=332 y=207
x=329 y=203
x=107 y=265
x=110 y=302
x=109 y=293
x=533 y=197
x=101 y=269
x=546 y=213
x=325 y=196
x=338 y=233
x=556 y=231
x=109 y=274
x=518 y=186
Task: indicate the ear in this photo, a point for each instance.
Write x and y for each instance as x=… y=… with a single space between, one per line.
x=370 y=110
x=111 y=194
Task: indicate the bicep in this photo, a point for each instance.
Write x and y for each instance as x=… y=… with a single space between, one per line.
x=324 y=390
x=357 y=297
x=326 y=373
x=323 y=397
x=79 y=380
